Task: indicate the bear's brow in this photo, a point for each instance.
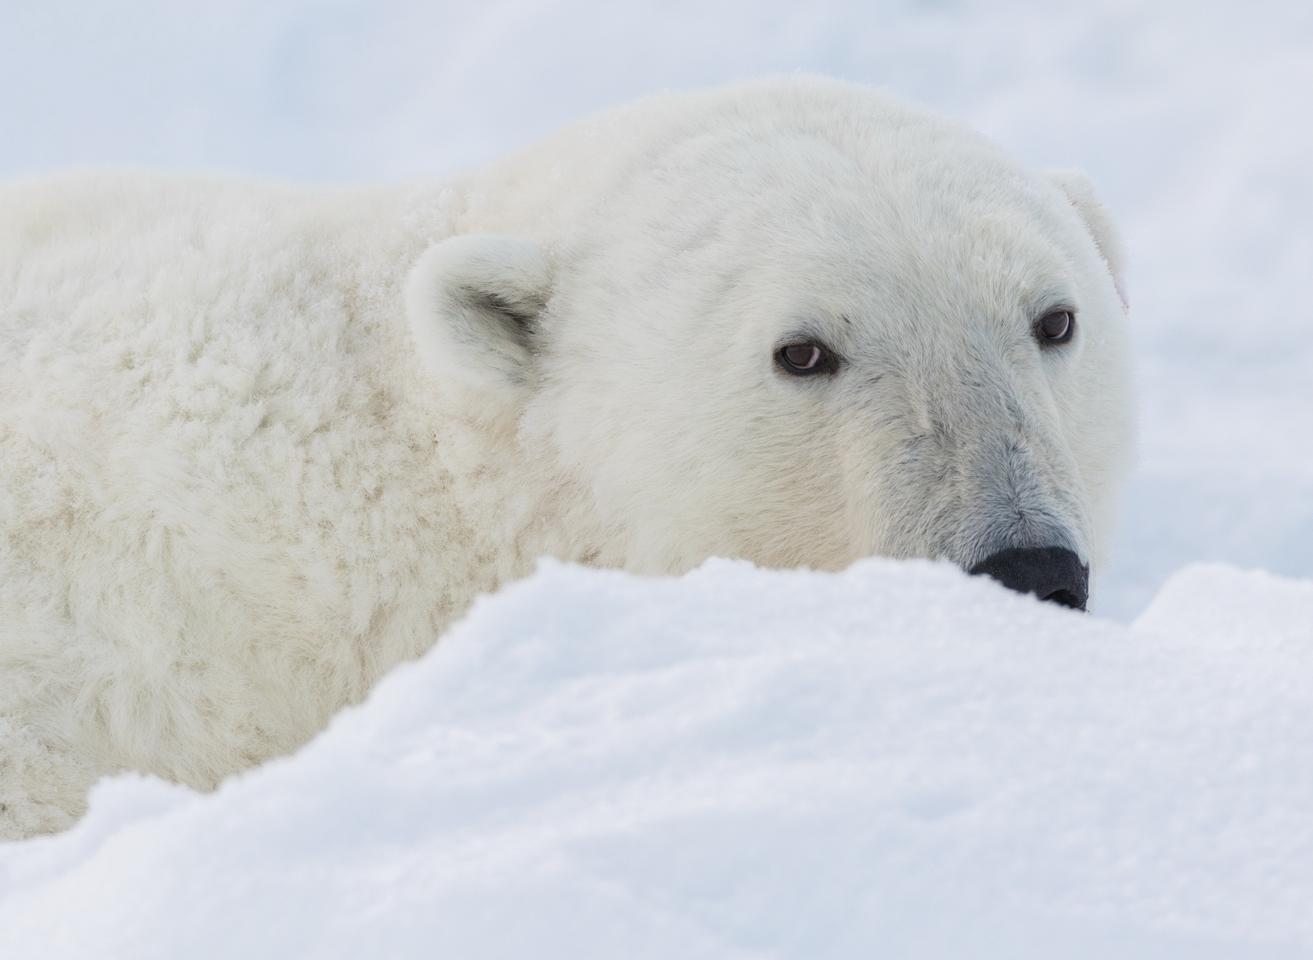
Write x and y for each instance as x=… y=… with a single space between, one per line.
x=808 y=330
x=1046 y=299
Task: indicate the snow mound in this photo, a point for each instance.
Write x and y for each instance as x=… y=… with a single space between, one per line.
x=893 y=761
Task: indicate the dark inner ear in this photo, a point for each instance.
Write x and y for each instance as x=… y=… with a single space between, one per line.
x=473 y=303
x=521 y=313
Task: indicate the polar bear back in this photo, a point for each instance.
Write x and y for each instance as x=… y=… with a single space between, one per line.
x=222 y=487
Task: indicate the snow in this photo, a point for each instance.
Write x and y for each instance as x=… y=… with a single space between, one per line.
x=895 y=761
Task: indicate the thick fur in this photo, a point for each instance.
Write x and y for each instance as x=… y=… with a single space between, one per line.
x=258 y=444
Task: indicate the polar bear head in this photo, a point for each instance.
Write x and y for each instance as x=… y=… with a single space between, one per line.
x=799 y=323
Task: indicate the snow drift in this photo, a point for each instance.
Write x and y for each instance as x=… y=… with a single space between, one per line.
x=897 y=760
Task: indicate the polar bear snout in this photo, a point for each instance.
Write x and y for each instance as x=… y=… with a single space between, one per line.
x=1054 y=574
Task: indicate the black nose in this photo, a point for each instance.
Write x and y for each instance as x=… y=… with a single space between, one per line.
x=1050 y=573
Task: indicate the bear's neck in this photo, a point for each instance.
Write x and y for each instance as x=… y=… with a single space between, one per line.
x=515 y=508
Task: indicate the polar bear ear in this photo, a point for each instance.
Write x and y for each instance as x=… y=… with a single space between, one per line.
x=473 y=304
x=1076 y=185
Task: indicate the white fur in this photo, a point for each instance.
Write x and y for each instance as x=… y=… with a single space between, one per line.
x=250 y=459
x=453 y=296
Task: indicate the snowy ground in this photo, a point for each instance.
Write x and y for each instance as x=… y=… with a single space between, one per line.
x=896 y=761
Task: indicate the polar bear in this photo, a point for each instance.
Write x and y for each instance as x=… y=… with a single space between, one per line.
x=260 y=443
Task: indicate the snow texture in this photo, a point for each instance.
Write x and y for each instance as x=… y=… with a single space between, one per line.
x=894 y=761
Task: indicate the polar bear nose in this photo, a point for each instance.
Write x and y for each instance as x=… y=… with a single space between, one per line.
x=1054 y=574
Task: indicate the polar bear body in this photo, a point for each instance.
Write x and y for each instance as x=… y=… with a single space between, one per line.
x=225 y=503
x=258 y=443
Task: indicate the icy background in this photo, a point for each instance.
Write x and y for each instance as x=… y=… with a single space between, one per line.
x=896 y=761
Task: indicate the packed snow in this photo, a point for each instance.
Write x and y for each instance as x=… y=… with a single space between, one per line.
x=894 y=761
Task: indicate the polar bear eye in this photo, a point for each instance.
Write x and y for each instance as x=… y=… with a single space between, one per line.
x=1054 y=327
x=804 y=359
